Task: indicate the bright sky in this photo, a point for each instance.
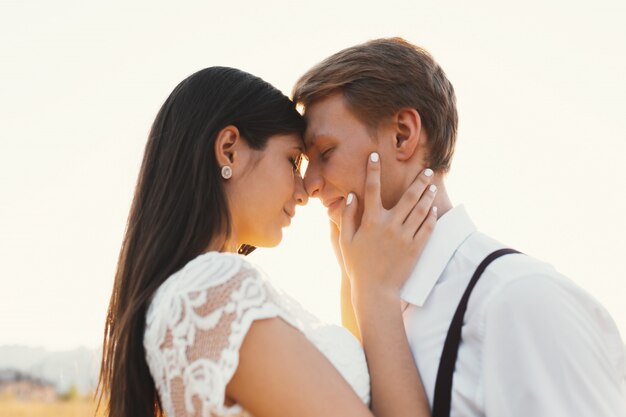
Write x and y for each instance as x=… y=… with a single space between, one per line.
x=541 y=95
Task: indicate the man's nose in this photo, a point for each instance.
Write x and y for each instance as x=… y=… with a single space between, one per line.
x=312 y=181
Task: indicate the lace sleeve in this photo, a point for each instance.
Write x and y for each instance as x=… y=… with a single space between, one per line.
x=195 y=326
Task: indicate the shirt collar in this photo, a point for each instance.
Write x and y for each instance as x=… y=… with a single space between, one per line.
x=450 y=231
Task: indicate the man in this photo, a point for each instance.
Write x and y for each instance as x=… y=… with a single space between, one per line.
x=529 y=342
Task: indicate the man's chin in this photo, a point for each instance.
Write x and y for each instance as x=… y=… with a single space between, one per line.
x=335 y=217
x=335 y=211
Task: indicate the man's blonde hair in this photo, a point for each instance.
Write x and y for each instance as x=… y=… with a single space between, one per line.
x=382 y=76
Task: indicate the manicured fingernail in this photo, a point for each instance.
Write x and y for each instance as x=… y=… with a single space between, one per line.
x=435 y=210
x=428 y=172
x=432 y=188
x=349 y=199
x=374 y=157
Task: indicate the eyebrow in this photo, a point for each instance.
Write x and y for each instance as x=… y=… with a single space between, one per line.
x=310 y=140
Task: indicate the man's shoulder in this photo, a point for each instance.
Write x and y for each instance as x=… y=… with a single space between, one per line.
x=509 y=267
x=514 y=279
x=521 y=287
x=543 y=308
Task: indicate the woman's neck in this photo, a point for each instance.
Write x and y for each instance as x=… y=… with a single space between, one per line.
x=221 y=244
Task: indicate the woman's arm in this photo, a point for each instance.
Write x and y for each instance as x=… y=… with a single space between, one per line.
x=397 y=389
x=379 y=254
x=281 y=374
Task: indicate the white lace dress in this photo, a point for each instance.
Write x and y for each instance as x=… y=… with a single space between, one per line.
x=198 y=319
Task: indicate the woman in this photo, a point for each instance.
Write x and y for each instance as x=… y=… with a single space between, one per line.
x=193 y=328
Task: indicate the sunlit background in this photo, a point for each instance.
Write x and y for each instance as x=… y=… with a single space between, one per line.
x=541 y=90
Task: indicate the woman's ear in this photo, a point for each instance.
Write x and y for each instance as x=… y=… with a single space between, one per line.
x=408 y=126
x=226 y=146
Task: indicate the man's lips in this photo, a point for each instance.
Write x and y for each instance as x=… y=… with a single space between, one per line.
x=331 y=203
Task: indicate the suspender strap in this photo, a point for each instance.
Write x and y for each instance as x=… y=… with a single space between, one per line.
x=443 y=384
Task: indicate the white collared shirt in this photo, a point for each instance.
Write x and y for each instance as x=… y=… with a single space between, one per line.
x=533 y=343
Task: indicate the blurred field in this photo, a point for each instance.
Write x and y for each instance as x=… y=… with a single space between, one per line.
x=78 y=408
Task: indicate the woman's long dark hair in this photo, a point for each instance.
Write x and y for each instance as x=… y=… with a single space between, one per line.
x=178 y=210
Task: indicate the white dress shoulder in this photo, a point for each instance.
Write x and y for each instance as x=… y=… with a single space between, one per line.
x=198 y=319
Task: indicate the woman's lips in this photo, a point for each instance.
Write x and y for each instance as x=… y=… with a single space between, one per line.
x=289 y=216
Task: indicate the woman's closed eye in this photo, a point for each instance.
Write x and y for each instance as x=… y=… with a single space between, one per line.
x=296 y=162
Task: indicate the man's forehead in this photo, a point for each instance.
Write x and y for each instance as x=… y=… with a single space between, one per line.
x=317 y=123
x=311 y=137
x=317 y=129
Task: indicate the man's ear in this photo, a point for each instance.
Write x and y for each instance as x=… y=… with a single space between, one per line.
x=226 y=145
x=408 y=129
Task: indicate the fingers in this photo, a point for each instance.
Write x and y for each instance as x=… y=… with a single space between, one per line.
x=347 y=228
x=425 y=230
x=405 y=207
x=334 y=237
x=334 y=230
x=420 y=211
x=334 y=240
x=371 y=197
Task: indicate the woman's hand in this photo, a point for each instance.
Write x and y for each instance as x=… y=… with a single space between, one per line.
x=334 y=240
x=380 y=254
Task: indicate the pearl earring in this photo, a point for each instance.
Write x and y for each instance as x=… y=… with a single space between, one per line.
x=227 y=172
